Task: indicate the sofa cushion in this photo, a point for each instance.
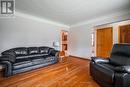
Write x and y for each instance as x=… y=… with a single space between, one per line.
x=31 y=56
x=32 y=67
x=33 y=50
x=44 y=50
x=38 y=61
x=22 y=60
x=21 y=51
x=23 y=64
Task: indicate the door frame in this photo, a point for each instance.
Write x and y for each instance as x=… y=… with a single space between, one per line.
x=61 y=42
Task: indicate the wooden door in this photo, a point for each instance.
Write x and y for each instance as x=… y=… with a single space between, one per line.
x=124 y=34
x=104 y=41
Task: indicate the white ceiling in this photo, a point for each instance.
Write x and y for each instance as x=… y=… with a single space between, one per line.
x=70 y=12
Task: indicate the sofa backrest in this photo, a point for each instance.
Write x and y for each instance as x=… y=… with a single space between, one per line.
x=20 y=51
x=33 y=50
x=120 y=54
x=44 y=50
x=24 y=51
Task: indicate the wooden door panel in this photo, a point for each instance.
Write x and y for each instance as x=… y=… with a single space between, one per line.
x=104 y=42
x=124 y=34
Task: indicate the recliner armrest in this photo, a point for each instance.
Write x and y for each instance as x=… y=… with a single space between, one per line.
x=99 y=60
x=123 y=69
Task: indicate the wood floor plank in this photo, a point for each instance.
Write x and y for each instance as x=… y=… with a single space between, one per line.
x=71 y=72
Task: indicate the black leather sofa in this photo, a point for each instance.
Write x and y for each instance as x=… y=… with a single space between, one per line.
x=23 y=59
x=113 y=71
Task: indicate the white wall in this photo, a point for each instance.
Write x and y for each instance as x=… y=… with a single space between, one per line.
x=80 y=34
x=80 y=41
x=26 y=30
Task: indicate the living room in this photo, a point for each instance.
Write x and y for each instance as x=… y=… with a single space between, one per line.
x=70 y=35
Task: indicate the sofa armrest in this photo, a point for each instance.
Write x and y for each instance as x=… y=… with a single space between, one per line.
x=10 y=58
x=54 y=53
x=9 y=52
x=8 y=68
x=99 y=60
x=123 y=69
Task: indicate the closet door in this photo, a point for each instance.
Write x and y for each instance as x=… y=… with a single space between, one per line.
x=104 y=41
x=124 y=34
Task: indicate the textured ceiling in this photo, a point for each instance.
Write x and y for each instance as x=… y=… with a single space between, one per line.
x=70 y=12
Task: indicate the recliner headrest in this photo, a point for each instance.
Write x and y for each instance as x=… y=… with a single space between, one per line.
x=120 y=54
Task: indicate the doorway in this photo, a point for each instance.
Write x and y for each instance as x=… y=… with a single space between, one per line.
x=64 y=43
x=124 y=34
x=104 y=42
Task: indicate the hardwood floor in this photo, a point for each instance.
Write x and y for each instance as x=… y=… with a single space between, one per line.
x=71 y=72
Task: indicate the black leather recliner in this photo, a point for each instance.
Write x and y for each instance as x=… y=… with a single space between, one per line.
x=23 y=59
x=114 y=71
